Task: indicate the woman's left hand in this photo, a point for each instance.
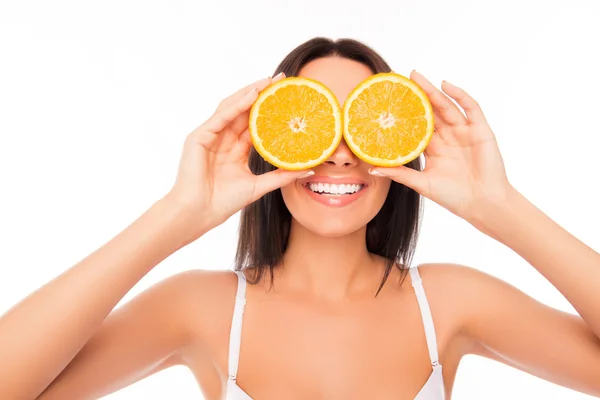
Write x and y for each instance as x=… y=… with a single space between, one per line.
x=464 y=171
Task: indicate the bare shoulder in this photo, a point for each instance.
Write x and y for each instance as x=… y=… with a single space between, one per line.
x=467 y=283
x=479 y=304
x=203 y=297
x=461 y=296
x=191 y=305
x=462 y=281
x=209 y=284
x=465 y=289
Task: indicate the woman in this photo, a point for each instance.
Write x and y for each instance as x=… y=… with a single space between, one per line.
x=332 y=309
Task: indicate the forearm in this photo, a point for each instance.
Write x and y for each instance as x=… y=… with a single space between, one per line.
x=40 y=335
x=570 y=265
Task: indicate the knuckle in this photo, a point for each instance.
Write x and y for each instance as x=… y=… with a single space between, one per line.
x=221 y=105
x=471 y=103
x=240 y=107
x=198 y=136
x=444 y=108
x=193 y=136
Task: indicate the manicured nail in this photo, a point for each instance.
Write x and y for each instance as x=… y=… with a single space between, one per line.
x=306 y=175
x=375 y=172
x=279 y=75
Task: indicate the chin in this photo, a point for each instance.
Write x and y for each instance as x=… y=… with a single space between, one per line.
x=330 y=227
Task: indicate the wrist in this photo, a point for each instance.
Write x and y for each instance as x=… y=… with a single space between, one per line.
x=503 y=212
x=183 y=225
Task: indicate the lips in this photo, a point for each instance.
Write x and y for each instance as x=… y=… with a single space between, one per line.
x=334 y=191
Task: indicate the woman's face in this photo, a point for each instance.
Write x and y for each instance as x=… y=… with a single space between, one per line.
x=308 y=201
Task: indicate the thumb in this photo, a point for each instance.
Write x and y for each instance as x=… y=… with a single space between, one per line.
x=276 y=179
x=406 y=176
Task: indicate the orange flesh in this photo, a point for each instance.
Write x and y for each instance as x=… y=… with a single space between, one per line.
x=387 y=120
x=296 y=124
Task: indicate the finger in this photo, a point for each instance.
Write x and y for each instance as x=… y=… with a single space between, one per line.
x=468 y=103
x=245 y=138
x=404 y=175
x=270 y=181
x=432 y=147
x=242 y=148
x=442 y=130
x=279 y=77
x=222 y=118
x=241 y=123
x=438 y=122
x=202 y=137
x=449 y=112
x=259 y=85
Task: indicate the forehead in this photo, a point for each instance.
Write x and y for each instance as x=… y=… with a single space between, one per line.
x=340 y=75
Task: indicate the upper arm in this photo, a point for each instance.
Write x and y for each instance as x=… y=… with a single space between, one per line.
x=507 y=325
x=137 y=339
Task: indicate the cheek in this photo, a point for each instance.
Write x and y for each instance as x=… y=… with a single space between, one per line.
x=378 y=196
x=381 y=192
x=292 y=194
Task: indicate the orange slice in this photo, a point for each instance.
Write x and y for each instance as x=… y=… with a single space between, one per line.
x=388 y=120
x=296 y=123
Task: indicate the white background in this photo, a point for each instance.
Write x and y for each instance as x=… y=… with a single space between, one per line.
x=97 y=97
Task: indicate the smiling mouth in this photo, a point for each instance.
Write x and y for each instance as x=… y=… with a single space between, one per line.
x=332 y=189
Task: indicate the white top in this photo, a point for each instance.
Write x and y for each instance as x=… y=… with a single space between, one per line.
x=433 y=389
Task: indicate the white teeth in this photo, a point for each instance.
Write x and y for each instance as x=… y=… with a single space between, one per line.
x=330 y=188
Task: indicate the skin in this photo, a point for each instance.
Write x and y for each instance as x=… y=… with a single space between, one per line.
x=322 y=307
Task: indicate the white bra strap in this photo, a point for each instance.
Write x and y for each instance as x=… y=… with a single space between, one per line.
x=235 y=335
x=417 y=285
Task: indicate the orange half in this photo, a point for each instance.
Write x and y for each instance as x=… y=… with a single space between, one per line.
x=296 y=123
x=388 y=120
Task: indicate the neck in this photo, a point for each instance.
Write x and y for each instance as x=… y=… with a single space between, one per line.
x=327 y=267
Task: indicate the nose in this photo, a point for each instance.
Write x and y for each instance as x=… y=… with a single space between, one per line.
x=342 y=156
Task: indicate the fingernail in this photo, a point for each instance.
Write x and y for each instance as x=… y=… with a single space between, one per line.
x=306 y=175
x=375 y=172
x=279 y=75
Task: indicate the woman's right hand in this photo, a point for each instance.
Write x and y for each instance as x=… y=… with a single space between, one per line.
x=214 y=180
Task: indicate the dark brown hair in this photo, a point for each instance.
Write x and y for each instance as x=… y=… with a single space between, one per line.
x=265 y=224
